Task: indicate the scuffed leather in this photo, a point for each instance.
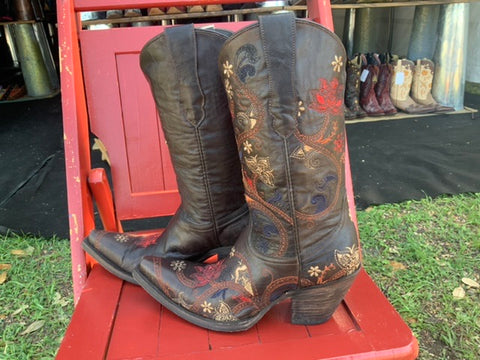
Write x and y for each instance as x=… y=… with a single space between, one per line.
x=300 y=233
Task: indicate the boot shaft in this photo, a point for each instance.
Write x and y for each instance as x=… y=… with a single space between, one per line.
x=287 y=108
x=422 y=81
x=401 y=83
x=195 y=120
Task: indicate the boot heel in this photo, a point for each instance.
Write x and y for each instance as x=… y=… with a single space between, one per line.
x=316 y=305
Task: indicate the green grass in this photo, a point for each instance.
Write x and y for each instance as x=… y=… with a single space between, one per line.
x=38 y=289
x=417 y=252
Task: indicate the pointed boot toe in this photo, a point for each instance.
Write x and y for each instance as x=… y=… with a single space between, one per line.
x=119 y=253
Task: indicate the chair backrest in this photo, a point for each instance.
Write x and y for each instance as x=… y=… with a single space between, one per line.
x=105 y=93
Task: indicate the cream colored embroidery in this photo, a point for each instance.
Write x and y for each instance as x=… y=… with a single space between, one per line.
x=261 y=166
x=301 y=108
x=314 y=271
x=337 y=63
x=247 y=147
x=180 y=299
x=224 y=313
x=227 y=69
x=228 y=88
x=122 y=238
x=349 y=260
x=232 y=251
x=207 y=307
x=178 y=265
x=241 y=277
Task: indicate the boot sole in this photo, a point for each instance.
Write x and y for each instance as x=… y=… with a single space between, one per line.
x=305 y=311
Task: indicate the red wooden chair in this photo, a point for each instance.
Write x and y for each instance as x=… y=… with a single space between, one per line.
x=105 y=93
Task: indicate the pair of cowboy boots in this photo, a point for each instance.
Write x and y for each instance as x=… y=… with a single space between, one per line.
x=287 y=147
x=411 y=87
x=375 y=85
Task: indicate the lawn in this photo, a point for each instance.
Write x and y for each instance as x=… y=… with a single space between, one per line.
x=424 y=255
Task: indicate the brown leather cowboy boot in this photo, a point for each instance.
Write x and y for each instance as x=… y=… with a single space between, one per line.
x=368 y=80
x=287 y=106
x=400 y=89
x=352 y=89
x=382 y=87
x=181 y=66
x=422 y=85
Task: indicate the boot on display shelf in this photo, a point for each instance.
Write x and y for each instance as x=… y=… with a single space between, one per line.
x=368 y=79
x=382 y=87
x=353 y=110
x=400 y=87
x=423 y=74
x=197 y=125
x=300 y=243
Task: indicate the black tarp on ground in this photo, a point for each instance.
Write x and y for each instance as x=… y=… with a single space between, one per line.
x=391 y=161
x=396 y=160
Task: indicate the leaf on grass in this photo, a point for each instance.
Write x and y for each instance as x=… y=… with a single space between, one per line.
x=459 y=293
x=3 y=277
x=33 y=327
x=470 y=282
x=5 y=266
x=19 y=310
x=397 y=265
x=19 y=252
x=58 y=300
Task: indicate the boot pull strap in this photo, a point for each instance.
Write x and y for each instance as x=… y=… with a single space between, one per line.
x=183 y=48
x=278 y=38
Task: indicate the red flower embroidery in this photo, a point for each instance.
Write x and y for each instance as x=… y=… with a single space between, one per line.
x=328 y=98
x=208 y=273
x=147 y=240
x=339 y=144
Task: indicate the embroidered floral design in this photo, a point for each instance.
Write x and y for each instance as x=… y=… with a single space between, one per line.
x=207 y=307
x=228 y=88
x=224 y=313
x=227 y=69
x=121 y=238
x=208 y=273
x=337 y=63
x=301 y=108
x=247 y=147
x=147 y=240
x=247 y=122
x=328 y=98
x=241 y=277
x=340 y=144
x=232 y=252
x=349 y=260
x=314 y=271
x=178 y=265
x=260 y=166
x=180 y=299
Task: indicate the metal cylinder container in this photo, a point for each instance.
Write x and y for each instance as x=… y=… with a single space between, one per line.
x=451 y=55
x=35 y=73
x=424 y=32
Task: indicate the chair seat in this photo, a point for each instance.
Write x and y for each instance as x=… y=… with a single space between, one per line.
x=118 y=320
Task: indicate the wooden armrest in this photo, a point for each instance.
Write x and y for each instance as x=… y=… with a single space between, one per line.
x=102 y=194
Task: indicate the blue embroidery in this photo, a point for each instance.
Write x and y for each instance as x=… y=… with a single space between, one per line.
x=245 y=59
